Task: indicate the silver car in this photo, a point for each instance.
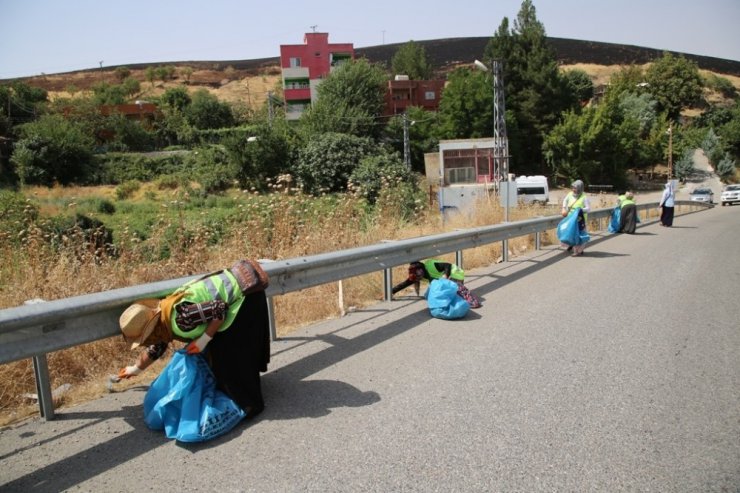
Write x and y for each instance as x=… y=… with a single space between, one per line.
x=702 y=195
x=730 y=195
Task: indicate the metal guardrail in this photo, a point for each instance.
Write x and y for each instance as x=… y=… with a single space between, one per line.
x=35 y=329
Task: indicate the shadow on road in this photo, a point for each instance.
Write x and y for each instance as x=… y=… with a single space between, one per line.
x=90 y=462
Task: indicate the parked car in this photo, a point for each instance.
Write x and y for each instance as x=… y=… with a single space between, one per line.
x=730 y=195
x=702 y=195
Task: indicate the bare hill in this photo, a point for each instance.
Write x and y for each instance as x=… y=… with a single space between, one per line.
x=248 y=81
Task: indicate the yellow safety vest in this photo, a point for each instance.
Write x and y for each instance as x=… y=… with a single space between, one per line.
x=220 y=286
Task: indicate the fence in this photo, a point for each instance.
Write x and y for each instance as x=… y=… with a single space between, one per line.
x=38 y=328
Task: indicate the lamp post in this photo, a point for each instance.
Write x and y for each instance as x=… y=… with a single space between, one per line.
x=500 y=141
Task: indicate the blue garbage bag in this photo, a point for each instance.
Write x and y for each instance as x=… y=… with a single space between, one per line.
x=443 y=300
x=569 y=232
x=185 y=403
x=615 y=219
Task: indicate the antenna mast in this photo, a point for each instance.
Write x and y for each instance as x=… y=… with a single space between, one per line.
x=500 y=139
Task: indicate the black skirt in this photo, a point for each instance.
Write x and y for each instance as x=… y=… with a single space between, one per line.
x=238 y=354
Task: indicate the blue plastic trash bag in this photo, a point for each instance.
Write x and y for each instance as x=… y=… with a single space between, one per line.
x=615 y=219
x=185 y=403
x=443 y=300
x=569 y=232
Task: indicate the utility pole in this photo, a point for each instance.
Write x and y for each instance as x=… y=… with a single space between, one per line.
x=406 y=144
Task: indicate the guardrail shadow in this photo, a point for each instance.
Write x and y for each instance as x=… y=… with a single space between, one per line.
x=90 y=462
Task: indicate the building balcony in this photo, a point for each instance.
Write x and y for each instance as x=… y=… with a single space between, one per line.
x=297 y=94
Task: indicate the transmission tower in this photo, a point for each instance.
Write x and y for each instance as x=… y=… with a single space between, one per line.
x=500 y=139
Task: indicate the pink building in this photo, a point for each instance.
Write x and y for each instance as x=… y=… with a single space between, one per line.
x=304 y=66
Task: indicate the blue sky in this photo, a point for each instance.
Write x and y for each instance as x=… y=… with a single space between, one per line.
x=52 y=36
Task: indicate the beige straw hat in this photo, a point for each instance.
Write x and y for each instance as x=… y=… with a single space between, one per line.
x=139 y=320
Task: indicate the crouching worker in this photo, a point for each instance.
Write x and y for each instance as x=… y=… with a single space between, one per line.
x=224 y=321
x=431 y=269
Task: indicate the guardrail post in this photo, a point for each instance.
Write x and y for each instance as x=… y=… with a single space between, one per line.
x=459 y=258
x=41 y=377
x=537 y=241
x=505 y=250
x=43 y=386
x=271 y=318
x=388 y=284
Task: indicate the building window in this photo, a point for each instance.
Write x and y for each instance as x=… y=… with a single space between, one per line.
x=429 y=95
x=295 y=62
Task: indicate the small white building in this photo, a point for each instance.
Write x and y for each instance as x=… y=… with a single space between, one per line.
x=465 y=172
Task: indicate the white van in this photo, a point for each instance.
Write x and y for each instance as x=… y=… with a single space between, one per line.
x=532 y=189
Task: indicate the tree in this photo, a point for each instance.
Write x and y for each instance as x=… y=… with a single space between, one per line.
x=206 y=111
x=595 y=145
x=131 y=86
x=350 y=100
x=187 y=72
x=675 y=82
x=19 y=103
x=176 y=98
x=259 y=158
x=627 y=79
x=641 y=108
x=535 y=93
x=579 y=85
x=729 y=132
x=726 y=167
x=151 y=75
x=122 y=73
x=466 y=107
x=684 y=167
x=51 y=150
x=107 y=94
x=327 y=161
x=411 y=59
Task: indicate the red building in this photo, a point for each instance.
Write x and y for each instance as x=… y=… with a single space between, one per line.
x=304 y=66
x=403 y=93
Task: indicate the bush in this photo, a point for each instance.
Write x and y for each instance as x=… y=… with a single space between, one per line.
x=114 y=168
x=377 y=172
x=127 y=189
x=52 y=150
x=103 y=206
x=327 y=162
x=171 y=182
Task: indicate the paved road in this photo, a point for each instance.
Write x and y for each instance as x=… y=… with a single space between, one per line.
x=616 y=371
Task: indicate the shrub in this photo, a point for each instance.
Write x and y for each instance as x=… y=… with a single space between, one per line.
x=127 y=189
x=171 y=181
x=374 y=173
x=327 y=162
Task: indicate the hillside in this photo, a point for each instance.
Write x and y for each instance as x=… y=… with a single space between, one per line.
x=248 y=81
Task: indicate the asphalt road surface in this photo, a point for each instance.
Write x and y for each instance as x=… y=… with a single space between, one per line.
x=615 y=371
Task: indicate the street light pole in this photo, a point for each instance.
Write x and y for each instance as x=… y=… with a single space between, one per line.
x=500 y=140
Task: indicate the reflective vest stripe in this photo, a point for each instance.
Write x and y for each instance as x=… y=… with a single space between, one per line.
x=228 y=285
